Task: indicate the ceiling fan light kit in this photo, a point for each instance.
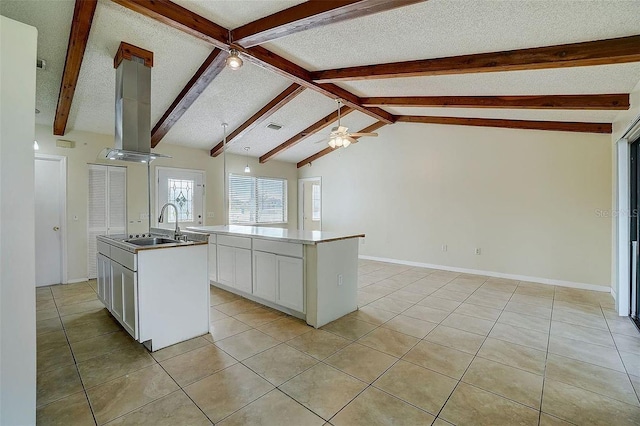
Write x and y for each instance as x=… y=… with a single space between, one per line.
x=340 y=137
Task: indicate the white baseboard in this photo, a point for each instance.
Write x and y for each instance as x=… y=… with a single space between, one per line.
x=77 y=280
x=549 y=281
x=614 y=295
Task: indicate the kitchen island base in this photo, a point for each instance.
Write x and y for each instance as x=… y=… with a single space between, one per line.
x=309 y=275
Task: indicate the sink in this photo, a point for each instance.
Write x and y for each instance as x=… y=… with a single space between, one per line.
x=151 y=241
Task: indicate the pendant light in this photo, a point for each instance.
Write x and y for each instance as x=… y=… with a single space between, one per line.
x=233 y=60
x=247 y=169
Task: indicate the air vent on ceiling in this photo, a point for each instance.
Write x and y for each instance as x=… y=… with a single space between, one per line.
x=41 y=63
x=274 y=126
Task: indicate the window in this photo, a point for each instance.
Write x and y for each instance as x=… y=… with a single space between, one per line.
x=254 y=200
x=315 y=201
x=181 y=194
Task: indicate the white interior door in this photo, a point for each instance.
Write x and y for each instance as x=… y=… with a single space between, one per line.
x=49 y=215
x=310 y=195
x=185 y=189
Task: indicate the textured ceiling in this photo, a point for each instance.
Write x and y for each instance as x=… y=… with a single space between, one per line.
x=53 y=20
x=304 y=110
x=439 y=28
x=234 y=96
x=435 y=28
x=234 y=13
x=176 y=56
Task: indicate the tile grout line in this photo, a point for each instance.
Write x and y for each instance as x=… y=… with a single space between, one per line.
x=621 y=360
x=546 y=357
x=75 y=363
x=467 y=368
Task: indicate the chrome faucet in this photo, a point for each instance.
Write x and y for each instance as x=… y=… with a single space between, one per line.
x=176 y=234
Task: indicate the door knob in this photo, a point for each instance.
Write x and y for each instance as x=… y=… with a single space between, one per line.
x=56 y=228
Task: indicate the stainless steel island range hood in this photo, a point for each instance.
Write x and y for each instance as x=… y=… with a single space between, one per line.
x=133 y=107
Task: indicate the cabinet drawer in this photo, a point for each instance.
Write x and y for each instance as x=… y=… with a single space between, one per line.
x=104 y=248
x=278 y=247
x=240 y=242
x=123 y=257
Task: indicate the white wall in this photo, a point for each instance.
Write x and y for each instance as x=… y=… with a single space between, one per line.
x=87 y=147
x=528 y=199
x=17 y=235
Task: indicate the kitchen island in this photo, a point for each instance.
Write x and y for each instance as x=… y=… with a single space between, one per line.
x=155 y=286
x=312 y=275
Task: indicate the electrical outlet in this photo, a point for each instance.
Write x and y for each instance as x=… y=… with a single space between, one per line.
x=478 y=251
x=444 y=247
x=339 y=280
x=210 y=215
x=144 y=216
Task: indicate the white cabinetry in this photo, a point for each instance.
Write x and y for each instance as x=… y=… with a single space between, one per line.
x=234 y=262
x=265 y=275
x=290 y=291
x=213 y=259
x=125 y=297
x=104 y=280
x=118 y=285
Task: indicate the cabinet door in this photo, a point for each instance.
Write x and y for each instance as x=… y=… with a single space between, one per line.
x=117 y=302
x=104 y=280
x=213 y=271
x=130 y=301
x=100 y=277
x=290 y=292
x=264 y=275
x=243 y=270
x=226 y=265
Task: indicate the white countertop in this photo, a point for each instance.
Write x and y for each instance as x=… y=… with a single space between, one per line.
x=277 y=234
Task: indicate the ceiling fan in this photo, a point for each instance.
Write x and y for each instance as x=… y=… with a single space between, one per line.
x=340 y=136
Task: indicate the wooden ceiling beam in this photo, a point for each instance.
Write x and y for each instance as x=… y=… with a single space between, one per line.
x=183 y=19
x=327 y=150
x=314 y=128
x=180 y=18
x=78 y=36
x=577 y=102
x=311 y=14
x=559 y=126
x=601 y=52
x=269 y=109
x=210 y=68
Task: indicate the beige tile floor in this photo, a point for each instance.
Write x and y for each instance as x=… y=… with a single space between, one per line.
x=426 y=347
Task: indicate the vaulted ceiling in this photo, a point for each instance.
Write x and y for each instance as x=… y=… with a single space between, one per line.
x=416 y=31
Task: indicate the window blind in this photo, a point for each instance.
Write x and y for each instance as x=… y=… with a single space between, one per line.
x=254 y=200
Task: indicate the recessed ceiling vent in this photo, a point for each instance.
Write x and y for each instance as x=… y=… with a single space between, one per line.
x=274 y=126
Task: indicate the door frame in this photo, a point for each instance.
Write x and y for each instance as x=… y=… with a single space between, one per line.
x=622 y=245
x=179 y=169
x=301 y=182
x=62 y=176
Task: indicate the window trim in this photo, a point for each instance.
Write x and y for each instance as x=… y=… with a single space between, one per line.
x=255 y=179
